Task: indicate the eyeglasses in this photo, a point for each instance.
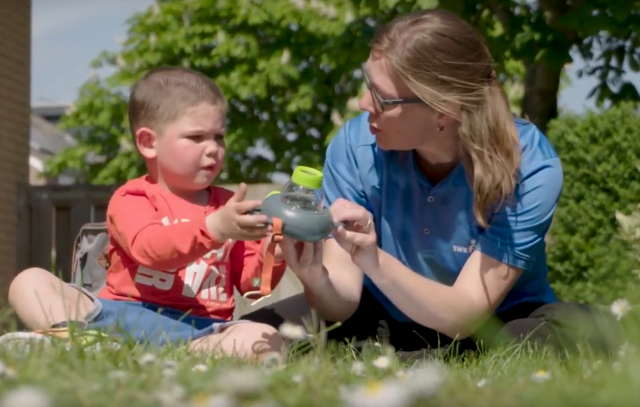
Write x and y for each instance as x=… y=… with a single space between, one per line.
x=381 y=103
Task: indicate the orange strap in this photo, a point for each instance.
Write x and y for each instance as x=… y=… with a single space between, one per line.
x=269 y=257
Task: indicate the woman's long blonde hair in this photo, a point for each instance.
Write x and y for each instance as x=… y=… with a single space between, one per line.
x=446 y=63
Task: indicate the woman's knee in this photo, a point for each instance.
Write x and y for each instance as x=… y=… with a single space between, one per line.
x=526 y=329
x=582 y=320
x=565 y=328
x=563 y=311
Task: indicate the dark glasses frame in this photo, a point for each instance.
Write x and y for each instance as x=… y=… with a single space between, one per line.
x=382 y=103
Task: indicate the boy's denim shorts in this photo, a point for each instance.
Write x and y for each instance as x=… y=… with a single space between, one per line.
x=148 y=323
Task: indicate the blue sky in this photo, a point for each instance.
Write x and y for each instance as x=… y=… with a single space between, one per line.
x=68 y=34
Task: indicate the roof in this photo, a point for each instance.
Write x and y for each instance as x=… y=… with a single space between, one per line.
x=50 y=109
x=46 y=138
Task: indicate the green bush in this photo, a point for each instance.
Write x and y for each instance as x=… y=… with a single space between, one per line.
x=629 y=226
x=588 y=259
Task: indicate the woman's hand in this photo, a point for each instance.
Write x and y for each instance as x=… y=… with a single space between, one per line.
x=304 y=259
x=357 y=234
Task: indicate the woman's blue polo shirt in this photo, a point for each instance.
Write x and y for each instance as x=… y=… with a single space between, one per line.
x=431 y=228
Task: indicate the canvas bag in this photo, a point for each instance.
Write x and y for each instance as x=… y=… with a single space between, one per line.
x=90 y=259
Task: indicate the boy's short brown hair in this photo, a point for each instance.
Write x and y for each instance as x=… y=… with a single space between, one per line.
x=163 y=94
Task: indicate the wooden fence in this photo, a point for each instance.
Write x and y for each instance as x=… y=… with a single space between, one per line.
x=50 y=217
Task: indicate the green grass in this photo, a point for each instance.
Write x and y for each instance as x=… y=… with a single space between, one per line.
x=103 y=374
x=86 y=376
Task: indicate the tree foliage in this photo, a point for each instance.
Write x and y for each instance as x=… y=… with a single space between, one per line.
x=282 y=66
x=290 y=69
x=542 y=34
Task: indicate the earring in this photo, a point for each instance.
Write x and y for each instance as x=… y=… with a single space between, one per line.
x=440 y=127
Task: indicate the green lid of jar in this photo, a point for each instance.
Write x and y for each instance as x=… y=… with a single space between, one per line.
x=307 y=177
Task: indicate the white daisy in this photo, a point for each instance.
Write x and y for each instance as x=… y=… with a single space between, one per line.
x=425 y=379
x=376 y=394
x=243 y=381
x=293 y=331
x=147 y=359
x=482 y=382
x=170 y=395
x=358 y=368
x=382 y=362
x=200 y=368
x=620 y=307
x=541 y=375
x=218 y=400
x=23 y=396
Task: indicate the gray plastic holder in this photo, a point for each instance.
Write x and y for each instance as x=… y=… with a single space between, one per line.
x=299 y=224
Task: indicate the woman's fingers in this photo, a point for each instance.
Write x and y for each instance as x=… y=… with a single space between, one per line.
x=306 y=256
x=301 y=254
x=349 y=214
x=289 y=251
x=347 y=237
x=317 y=251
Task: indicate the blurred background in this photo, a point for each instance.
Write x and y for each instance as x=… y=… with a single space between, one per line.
x=290 y=69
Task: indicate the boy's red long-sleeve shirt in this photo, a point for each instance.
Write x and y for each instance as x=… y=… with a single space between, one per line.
x=161 y=252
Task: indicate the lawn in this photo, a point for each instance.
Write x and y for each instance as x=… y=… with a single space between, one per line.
x=100 y=373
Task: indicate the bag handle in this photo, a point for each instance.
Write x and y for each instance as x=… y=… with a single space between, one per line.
x=268 y=263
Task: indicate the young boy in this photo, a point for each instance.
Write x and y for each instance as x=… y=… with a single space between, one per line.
x=178 y=245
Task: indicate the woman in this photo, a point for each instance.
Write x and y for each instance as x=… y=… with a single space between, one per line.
x=449 y=199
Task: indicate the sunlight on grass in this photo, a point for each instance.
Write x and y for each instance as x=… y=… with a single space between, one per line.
x=101 y=373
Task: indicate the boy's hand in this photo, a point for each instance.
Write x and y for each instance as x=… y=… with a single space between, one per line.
x=233 y=222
